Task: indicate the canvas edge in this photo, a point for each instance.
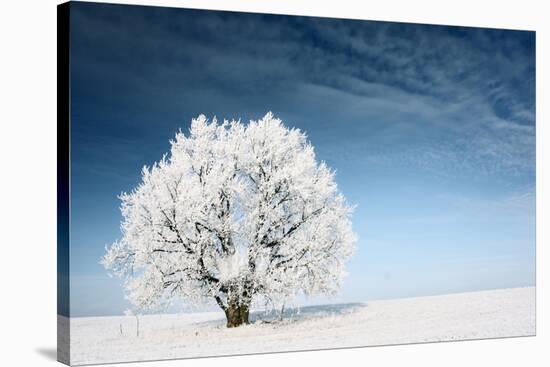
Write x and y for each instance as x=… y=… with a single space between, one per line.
x=63 y=183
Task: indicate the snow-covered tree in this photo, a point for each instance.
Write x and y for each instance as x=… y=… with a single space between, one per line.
x=237 y=213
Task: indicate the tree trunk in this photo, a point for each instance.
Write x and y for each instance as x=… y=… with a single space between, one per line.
x=237 y=314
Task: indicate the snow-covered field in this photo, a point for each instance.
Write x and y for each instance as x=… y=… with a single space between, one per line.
x=487 y=314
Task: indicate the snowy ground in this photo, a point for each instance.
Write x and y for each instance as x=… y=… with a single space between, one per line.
x=487 y=314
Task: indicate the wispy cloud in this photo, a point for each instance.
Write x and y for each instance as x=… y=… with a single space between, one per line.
x=473 y=87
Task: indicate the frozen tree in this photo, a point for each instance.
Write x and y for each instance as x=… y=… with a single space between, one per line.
x=236 y=213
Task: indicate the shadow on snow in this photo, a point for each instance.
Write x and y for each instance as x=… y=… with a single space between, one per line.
x=292 y=314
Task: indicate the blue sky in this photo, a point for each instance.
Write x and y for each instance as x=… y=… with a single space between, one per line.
x=431 y=131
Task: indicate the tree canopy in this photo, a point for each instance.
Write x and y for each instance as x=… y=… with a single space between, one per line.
x=235 y=213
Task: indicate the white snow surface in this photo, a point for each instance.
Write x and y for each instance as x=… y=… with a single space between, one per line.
x=475 y=315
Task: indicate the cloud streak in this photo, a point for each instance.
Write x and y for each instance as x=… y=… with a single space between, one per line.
x=474 y=87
